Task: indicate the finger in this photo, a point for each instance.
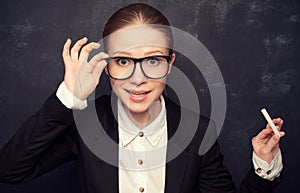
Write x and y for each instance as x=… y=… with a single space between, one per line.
x=94 y=61
x=270 y=130
x=66 y=51
x=264 y=134
x=77 y=47
x=98 y=70
x=97 y=58
x=278 y=122
x=274 y=140
x=87 y=49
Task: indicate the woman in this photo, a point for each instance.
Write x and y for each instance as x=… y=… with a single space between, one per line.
x=138 y=59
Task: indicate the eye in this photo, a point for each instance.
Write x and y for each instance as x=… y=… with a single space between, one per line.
x=153 y=61
x=122 y=61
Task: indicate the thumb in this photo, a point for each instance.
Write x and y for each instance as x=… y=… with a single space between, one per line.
x=98 y=70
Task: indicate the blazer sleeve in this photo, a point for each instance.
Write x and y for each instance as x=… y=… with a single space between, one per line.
x=215 y=178
x=43 y=142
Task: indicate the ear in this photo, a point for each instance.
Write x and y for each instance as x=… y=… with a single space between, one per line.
x=172 y=60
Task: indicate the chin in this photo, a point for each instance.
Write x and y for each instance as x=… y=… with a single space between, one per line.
x=137 y=107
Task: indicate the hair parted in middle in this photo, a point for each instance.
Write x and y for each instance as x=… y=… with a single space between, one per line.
x=138 y=14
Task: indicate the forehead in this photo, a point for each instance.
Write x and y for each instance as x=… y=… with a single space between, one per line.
x=136 y=37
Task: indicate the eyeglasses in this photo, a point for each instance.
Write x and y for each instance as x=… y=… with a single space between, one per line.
x=153 y=67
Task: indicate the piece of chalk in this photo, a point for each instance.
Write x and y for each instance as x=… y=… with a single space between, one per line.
x=268 y=118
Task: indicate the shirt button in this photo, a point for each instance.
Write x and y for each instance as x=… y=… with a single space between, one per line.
x=141 y=189
x=141 y=134
x=258 y=170
x=269 y=172
x=140 y=161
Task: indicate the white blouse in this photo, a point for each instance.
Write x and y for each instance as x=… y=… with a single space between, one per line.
x=142 y=153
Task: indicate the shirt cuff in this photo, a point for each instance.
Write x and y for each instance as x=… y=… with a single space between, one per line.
x=68 y=99
x=266 y=170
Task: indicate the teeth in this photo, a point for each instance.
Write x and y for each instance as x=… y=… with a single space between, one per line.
x=137 y=95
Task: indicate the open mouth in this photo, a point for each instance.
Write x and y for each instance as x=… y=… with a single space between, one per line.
x=137 y=93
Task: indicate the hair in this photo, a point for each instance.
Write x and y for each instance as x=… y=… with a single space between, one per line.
x=138 y=13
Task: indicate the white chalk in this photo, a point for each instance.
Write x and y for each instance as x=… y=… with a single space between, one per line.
x=268 y=118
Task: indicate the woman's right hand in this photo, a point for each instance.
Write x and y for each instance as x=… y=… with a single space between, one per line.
x=82 y=76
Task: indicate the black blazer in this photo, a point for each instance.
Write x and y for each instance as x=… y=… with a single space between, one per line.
x=49 y=138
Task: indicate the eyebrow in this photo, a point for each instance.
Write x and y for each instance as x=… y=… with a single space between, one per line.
x=146 y=53
x=122 y=53
x=155 y=51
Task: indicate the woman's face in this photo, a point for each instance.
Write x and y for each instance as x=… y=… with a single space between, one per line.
x=138 y=92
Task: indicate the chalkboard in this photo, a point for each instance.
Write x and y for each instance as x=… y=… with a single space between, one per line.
x=255 y=44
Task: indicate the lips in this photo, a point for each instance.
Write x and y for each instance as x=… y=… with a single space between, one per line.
x=137 y=95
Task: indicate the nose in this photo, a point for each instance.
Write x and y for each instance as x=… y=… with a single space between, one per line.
x=138 y=77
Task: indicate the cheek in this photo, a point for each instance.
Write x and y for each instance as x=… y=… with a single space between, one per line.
x=116 y=85
x=159 y=86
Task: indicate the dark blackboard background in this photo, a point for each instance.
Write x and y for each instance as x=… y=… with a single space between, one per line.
x=255 y=43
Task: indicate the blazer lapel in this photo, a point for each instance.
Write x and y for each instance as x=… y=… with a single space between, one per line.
x=107 y=114
x=175 y=168
x=109 y=117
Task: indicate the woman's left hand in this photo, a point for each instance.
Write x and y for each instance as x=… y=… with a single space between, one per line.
x=266 y=143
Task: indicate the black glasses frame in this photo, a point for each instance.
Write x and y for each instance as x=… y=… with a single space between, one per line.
x=135 y=61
